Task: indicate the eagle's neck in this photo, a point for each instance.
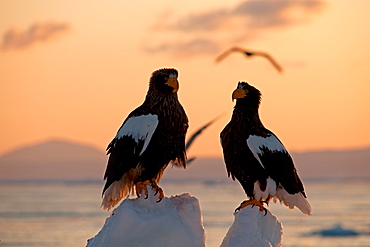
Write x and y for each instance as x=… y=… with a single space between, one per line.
x=248 y=117
x=155 y=98
x=167 y=106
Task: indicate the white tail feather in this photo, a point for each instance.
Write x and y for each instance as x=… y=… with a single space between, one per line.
x=295 y=200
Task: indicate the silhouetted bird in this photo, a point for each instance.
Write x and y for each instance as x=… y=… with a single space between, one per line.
x=250 y=53
x=256 y=158
x=151 y=136
x=194 y=136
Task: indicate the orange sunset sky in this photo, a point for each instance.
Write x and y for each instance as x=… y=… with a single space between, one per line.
x=73 y=70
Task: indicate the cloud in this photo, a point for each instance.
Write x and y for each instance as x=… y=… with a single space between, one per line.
x=230 y=25
x=202 y=22
x=279 y=13
x=260 y=14
x=15 y=39
x=184 y=48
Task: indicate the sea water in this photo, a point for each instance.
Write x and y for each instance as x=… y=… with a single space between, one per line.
x=67 y=213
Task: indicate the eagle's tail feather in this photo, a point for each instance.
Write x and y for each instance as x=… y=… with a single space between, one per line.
x=296 y=200
x=115 y=192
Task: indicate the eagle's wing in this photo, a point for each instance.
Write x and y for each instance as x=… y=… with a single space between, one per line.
x=232 y=151
x=275 y=159
x=273 y=156
x=259 y=145
x=139 y=128
x=129 y=144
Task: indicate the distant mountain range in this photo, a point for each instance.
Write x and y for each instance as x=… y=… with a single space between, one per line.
x=59 y=159
x=55 y=159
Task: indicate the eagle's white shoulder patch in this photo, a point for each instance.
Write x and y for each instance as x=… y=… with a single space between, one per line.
x=139 y=128
x=256 y=143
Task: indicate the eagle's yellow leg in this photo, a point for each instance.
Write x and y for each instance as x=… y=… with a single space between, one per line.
x=253 y=202
x=141 y=186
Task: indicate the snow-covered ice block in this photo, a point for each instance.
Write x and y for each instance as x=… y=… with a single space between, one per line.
x=252 y=228
x=174 y=221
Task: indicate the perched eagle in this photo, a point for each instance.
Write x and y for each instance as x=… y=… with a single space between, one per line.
x=151 y=136
x=256 y=157
x=250 y=53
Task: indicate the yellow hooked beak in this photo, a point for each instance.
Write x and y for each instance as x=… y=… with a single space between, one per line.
x=172 y=82
x=239 y=93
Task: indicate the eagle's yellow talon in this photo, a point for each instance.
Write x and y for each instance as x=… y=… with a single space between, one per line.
x=141 y=186
x=161 y=194
x=253 y=202
x=158 y=191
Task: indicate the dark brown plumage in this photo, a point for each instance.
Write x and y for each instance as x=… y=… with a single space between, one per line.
x=250 y=53
x=151 y=136
x=256 y=158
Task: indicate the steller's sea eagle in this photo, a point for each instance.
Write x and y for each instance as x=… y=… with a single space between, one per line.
x=257 y=159
x=151 y=136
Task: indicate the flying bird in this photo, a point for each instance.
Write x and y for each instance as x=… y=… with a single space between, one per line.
x=151 y=136
x=256 y=157
x=195 y=136
x=250 y=53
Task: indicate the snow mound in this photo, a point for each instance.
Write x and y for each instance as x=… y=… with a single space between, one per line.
x=252 y=228
x=174 y=221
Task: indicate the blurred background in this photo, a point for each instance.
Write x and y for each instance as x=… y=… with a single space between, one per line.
x=74 y=70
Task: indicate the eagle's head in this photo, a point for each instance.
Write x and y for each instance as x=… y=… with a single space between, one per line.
x=246 y=94
x=165 y=81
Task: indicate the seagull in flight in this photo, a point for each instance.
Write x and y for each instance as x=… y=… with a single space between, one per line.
x=250 y=53
x=194 y=136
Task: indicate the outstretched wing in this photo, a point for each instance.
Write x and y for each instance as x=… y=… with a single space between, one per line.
x=250 y=53
x=129 y=144
x=275 y=159
x=270 y=58
x=190 y=141
x=224 y=54
x=199 y=131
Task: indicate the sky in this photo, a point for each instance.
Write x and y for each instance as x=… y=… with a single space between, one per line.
x=74 y=70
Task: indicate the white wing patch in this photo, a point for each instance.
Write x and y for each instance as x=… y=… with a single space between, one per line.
x=139 y=128
x=256 y=143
